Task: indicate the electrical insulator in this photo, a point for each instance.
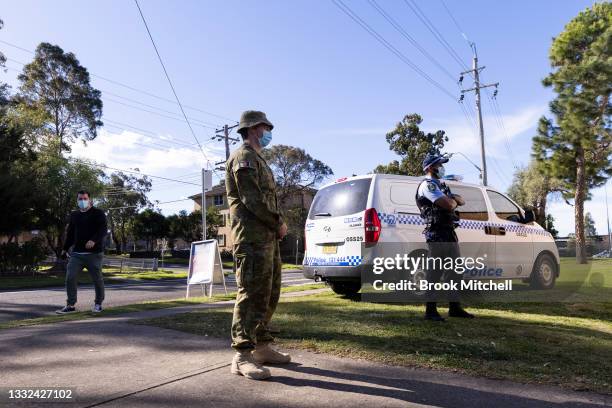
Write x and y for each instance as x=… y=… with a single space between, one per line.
x=461 y=98
x=461 y=79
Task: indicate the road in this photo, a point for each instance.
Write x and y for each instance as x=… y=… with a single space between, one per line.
x=29 y=303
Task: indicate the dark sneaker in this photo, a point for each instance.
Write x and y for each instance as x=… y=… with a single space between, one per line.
x=460 y=313
x=455 y=310
x=96 y=308
x=435 y=317
x=66 y=309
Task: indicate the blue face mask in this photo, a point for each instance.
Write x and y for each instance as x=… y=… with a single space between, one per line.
x=265 y=138
x=83 y=204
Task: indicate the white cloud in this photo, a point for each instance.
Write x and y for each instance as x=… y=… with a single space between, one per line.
x=464 y=137
x=128 y=150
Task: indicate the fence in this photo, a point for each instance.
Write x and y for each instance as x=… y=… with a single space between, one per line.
x=141 y=264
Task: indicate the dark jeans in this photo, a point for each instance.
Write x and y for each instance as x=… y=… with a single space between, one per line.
x=93 y=263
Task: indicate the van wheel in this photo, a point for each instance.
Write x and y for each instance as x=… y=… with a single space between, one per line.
x=544 y=273
x=418 y=276
x=345 y=288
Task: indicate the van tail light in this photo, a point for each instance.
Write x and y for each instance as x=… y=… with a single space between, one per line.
x=372 y=226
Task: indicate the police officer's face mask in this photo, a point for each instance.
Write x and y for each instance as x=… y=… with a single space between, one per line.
x=441 y=172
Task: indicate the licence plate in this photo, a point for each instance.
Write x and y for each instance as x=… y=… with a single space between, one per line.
x=330 y=249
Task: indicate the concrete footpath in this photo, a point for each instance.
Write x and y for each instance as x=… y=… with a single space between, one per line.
x=111 y=362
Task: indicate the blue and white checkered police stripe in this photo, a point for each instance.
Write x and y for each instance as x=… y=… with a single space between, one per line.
x=353 y=260
x=409 y=219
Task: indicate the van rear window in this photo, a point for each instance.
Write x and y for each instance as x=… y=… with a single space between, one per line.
x=341 y=199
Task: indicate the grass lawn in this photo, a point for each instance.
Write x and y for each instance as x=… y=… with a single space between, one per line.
x=562 y=343
x=111 y=274
x=138 y=307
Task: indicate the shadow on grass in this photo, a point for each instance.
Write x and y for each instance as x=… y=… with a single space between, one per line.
x=526 y=348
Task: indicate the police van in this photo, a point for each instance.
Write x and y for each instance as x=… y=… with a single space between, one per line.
x=352 y=216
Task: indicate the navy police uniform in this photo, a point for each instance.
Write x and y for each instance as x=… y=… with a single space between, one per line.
x=441 y=238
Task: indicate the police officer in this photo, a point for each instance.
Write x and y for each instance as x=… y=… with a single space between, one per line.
x=438 y=209
x=257 y=226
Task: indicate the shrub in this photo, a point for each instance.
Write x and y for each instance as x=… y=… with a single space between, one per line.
x=22 y=259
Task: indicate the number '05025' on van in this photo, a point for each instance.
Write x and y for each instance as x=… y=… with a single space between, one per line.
x=379 y=208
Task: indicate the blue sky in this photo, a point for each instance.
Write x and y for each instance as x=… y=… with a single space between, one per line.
x=327 y=85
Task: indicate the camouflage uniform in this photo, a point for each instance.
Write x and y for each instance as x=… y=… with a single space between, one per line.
x=255 y=220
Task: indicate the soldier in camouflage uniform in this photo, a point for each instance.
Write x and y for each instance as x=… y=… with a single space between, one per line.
x=257 y=226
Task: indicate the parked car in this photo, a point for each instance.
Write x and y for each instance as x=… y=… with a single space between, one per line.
x=603 y=254
x=350 y=218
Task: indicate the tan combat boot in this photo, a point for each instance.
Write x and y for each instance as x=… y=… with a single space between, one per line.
x=244 y=364
x=263 y=353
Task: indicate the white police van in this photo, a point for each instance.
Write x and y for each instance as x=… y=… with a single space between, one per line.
x=381 y=208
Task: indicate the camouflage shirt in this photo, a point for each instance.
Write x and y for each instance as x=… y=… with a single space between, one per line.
x=251 y=196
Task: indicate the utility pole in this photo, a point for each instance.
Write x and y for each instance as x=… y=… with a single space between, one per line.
x=477 y=87
x=226 y=130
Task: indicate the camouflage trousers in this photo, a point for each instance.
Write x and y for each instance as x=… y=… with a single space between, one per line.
x=258 y=276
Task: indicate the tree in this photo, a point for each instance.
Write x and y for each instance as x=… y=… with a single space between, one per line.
x=125 y=196
x=181 y=226
x=19 y=200
x=412 y=145
x=589 y=226
x=549 y=225
x=295 y=171
x=213 y=221
x=150 y=225
x=57 y=87
x=575 y=145
x=531 y=187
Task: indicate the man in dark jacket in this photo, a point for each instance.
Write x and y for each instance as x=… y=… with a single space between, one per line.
x=86 y=233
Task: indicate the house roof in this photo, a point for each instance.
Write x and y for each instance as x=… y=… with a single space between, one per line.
x=216 y=190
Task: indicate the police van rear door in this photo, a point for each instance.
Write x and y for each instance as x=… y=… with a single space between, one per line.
x=335 y=228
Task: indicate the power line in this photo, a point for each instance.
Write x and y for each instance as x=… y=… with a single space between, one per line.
x=105 y=92
x=138 y=206
x=152 y=134
x=169 y=80
x=154 y=113
x=149 y=133
x=463 y=34
x=407 y=36
x=436 y=33
x=161 y=98
x=347 y=10
x=131 y=172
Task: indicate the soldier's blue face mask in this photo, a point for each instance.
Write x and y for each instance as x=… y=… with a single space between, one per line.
x=265 y=138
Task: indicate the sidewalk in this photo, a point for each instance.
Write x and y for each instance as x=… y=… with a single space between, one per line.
x=114 y=363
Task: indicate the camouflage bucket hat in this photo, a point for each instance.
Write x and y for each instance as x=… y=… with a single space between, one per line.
x=252 y=118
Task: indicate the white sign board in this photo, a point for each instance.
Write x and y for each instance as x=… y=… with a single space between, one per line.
x=207 y=179
x=205 y=267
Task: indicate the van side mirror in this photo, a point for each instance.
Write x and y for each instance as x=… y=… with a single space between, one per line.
x=529 y=217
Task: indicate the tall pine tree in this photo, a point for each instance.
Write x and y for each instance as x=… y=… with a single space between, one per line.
x=575 y=145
